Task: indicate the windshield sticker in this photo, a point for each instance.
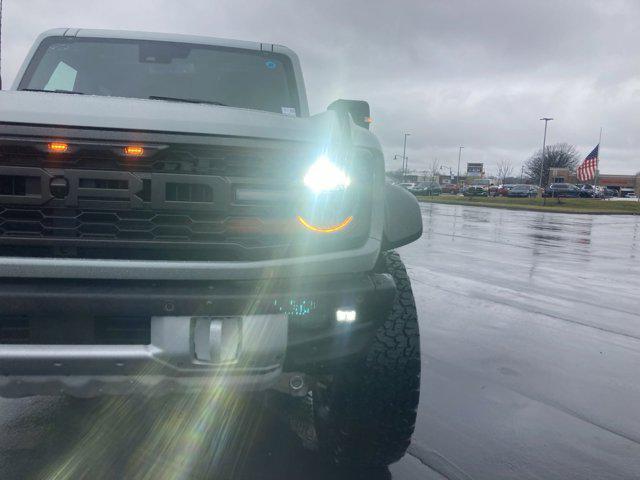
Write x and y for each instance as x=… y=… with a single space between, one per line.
x=291 y=111
x=270 y=64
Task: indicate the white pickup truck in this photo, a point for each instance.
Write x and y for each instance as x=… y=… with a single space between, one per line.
x=172 y=216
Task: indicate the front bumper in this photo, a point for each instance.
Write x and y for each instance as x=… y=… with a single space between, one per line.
x=286 y=325
x=359 y=259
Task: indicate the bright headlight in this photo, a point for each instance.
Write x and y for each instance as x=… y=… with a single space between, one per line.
x=326 y=176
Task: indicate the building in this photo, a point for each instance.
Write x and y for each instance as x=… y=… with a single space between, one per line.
x=615 y=182
x=419 y=178
x=484 y=182
x=475 y=170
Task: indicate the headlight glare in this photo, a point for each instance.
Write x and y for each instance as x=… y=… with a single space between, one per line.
x=326 y=176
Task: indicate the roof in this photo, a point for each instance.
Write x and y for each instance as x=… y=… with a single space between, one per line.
x=166 y=37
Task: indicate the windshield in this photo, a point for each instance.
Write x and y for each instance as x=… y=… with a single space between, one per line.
x=164 y=71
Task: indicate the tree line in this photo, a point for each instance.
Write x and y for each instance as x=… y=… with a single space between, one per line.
x=559 y=155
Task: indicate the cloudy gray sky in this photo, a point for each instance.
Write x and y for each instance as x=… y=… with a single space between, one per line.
x=472 y=73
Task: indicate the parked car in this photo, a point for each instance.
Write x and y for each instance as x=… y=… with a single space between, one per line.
x=503 y=190
x=585 y=190
x=610 y=192
x=523 y=191
x=590 y=191
x=426 y=189
x=475 y=191
x=563 y=190
x=451 y=188
x=630 y=195
x=408 y=185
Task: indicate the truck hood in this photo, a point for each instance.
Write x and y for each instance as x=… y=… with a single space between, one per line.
x=89 y=111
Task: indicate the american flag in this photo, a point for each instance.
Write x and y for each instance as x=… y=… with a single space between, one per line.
x=587 y=169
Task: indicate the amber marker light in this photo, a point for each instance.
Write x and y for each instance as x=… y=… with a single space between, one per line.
x=57 y=147
x=133 y=151
x=334 y=228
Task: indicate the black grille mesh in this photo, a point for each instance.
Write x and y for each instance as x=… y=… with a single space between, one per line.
x=28 y=330
x=114 y=225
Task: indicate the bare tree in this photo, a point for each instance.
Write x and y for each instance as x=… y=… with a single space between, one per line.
x=434 y=169
x=560 y=155
x=504 y=170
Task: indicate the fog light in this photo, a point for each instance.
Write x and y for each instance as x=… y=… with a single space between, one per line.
x=346 y=316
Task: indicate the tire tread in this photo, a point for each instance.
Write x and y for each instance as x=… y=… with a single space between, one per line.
x=372 y=408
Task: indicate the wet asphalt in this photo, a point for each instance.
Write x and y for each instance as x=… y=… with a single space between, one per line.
x=530 y=327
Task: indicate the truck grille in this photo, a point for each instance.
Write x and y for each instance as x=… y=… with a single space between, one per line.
x=210 y=159
x=179 y=202
x=137 y=234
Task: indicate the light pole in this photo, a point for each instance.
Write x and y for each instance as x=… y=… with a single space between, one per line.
x=404 y=157
x=544 y=146
x=459 y=156
x=442 y=167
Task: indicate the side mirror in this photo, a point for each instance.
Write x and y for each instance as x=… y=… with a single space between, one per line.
x=402 y=217
x=358 y=109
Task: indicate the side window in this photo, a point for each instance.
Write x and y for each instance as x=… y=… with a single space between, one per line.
x=62 y=78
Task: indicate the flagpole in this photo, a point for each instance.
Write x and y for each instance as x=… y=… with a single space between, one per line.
x=595 y=185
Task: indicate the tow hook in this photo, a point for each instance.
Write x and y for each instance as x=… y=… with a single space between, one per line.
x=294 y=384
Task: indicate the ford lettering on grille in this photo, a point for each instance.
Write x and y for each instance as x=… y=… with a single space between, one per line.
x=100 y=189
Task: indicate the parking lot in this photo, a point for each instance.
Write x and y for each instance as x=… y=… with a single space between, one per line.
x=530 y=327
x=530 y=342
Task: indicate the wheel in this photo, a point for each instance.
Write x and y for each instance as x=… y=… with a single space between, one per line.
x=365 y=415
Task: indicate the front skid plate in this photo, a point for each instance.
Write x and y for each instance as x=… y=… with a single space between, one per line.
x=94 y=386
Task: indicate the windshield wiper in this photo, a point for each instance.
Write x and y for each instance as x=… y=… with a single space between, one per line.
x=186 y=100
x=72 y=92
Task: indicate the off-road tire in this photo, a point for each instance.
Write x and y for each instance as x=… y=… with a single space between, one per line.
x=365 y=415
